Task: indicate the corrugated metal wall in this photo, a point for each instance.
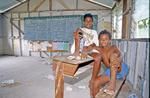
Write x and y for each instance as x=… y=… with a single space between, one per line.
x=136 y=54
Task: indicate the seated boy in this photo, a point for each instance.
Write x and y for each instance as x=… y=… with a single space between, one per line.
x=110 y=56
x=85 y=36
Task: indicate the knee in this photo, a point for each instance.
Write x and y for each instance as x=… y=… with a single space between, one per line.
x=97 y=57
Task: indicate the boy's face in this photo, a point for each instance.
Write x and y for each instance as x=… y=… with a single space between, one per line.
x=88 y=22
x=104 y=40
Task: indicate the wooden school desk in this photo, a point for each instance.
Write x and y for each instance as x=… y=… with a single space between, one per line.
x=65 y=67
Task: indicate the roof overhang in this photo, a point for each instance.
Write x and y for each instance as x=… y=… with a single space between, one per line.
x=6 y=5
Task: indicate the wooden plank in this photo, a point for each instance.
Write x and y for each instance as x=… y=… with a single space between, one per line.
x=64 y=59
x=131 y=59
x=119 y=84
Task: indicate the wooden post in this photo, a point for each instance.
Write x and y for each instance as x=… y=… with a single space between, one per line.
x=20 y=37
x=50 y=5
x=124 y=20
x=12 y=35
x=59 y=81
x=28 y=8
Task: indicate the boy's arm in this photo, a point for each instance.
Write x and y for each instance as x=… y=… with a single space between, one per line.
x=89 y=48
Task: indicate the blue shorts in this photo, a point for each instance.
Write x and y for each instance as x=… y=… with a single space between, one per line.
x=120 y=75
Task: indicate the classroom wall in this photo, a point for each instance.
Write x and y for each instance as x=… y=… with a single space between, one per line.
x=18 y=46
x=1 y=36
x=135 y=54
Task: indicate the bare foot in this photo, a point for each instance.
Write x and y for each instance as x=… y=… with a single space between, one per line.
x=94 y=88
x=110 y=89
x=76 y=53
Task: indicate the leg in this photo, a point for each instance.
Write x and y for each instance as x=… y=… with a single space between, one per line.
x=100 y=81
x=96 y=69
x=77 y=43
x=112 y=84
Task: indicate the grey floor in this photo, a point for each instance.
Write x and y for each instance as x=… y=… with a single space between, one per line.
x=33 y=78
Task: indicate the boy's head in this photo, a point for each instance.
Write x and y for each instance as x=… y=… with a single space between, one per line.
x=104 y=38
x=88 y=20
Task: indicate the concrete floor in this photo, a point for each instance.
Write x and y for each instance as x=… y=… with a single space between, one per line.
x=32 y=77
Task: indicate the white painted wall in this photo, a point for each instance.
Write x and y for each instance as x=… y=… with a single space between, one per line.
x=1 y=36
x=7 y=36
x=14 y=48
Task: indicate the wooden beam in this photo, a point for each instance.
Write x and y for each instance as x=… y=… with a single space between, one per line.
x=77 y=3
x=38 y=5
x=63 y=4
x=28 y=7
x=50 y=5
x=64 y=10
x=14 y=24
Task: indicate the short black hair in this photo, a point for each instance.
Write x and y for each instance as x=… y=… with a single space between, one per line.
x=88 y=15
x=104 y=32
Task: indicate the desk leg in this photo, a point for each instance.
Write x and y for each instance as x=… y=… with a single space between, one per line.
x=59 y=81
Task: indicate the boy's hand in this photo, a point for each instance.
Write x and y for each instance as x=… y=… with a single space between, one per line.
x=115 y=61
x=77 y=33
x=83 y=55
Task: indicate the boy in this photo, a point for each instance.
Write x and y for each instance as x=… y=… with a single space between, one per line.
x=110 y=56
x=85 y=36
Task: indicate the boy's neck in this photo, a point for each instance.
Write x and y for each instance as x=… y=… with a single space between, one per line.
x=87 y=27
x=105 y=47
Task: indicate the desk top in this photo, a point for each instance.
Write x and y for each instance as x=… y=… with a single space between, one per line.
x=73 y=61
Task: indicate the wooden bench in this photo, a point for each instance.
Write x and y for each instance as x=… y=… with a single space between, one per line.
x=119 y=84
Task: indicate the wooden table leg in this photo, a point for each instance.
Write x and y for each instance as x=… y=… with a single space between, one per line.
x=59 y=81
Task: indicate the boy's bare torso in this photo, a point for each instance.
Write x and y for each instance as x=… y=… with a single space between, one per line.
x=107 y=53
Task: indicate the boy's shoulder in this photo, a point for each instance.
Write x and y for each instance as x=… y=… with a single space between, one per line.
x=113 y=46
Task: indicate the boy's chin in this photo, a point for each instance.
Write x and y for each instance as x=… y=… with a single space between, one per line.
x=89 y=27
x=104 y=46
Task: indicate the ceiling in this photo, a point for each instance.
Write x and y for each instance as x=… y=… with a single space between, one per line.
x=6 y=5
x=105 y=3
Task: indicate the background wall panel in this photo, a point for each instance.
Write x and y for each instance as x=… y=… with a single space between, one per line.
x=136 y=56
